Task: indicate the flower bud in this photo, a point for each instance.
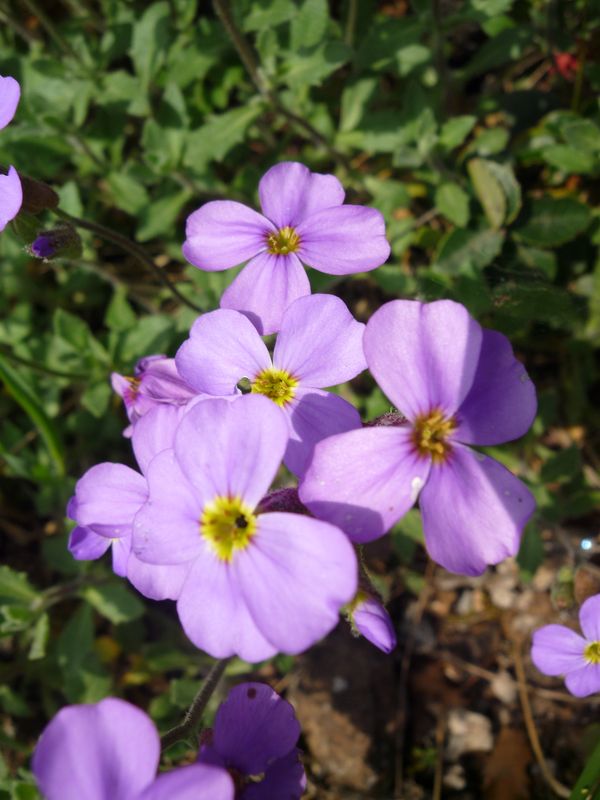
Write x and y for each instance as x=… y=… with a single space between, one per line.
x=369 y=618
x=60 y=242
x=37 y=196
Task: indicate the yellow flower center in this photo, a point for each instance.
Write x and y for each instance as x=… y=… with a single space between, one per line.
x=592 y=653
x=228 y=524
x=430 y=435
x=276 y=384
x=285 y=241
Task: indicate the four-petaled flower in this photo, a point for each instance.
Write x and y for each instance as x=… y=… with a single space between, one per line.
x=11 y=194
x=304 y=222
x=456 y=384
x=558 y=650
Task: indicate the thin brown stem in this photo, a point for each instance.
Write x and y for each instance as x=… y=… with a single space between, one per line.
x=193 y=716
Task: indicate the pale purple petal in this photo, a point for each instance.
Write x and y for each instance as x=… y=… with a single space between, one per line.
x=474 y=511
x=501 y=404
x=108 y=498
x=215 y=616
x=557 y=650
x=121 y=551
x=265 y=288
x=374 y=623
x=232 y=448
x=85 y=545
x=294 y=578
x=365 y=480
x=285 y=778
x=107 y=751
x=157 y=582
x=160 y=380
x=222 y=234
x=223 y=348
x=343 y=240
x=10 y=92
x=585 y=681
x=314 y=415
x=424 y=356
x=289 y=192
x=11 y=197
x=320 y=342
x=253 y=727
x=167 y=529
x=195 y=782
x=589 y=618
x=154 y=432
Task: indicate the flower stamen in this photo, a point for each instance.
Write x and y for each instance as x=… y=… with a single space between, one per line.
x=276 y=384
x=228 y=524
x=431 y=433
x=592 y=653
x=285 y=241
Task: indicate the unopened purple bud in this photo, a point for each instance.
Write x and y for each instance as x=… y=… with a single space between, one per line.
x=369 y=618
x=60 y=242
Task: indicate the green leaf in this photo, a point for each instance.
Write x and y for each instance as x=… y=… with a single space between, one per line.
x=453 y=202
x=505 y=176
x=128 y=194
x=266 y=14
x=309 y=68
x=120 y=316
x=215 y=138
x=465 y=249
x=39 y=638
x=309 y=24
x=582 y=134
x=160 y=217
x=15 y=587
x=455 y=131
x=96 y=398
x=150 y=39
x=114 y=601
x=490 y=142
x=568 y=159
x=354 y=101
x=531 y=552
x=25 y=396
x=550 y=222
x=76 y=639
x=588 y=785
x=508 y=45
x=488 y=190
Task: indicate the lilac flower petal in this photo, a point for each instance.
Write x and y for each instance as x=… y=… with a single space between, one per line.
x=501 y=404
x=253 y=727
x=195 y=782
x=557 y=650
x=161 y=380
x=374 y=623
x=157 y=582
x=284 y=778
x=215 y=616
x=289 y=192
x=232 y=448
x=107 y=751
x=265 y=288
x=589 y=618
x=11 y=197
x=167 y=528
x=85 y=545
x=154 y=432
x=10 y=92
x=343 y=240
x=222 y=234
x=108 y=497
x=585 y=681
x=365 y=480
x=295 y=577
x=223 y=348
x=424 y=356
x=121 y=551
x=474 y=511
x=320 y=342
x=315 y=415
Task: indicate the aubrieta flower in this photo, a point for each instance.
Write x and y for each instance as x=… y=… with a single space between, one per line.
x=456 y=385
x=155 y=381
x=258 y=583
x=319 y=344
x=111 y=751
x=11 y=194
x=254 y=737
x=369 y=618
x=304 y=221
x=558 y=650
x=108 y=497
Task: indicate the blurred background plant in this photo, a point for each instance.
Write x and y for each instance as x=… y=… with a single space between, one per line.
x=473 y=125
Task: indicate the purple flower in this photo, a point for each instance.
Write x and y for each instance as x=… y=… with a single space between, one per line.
x=258 y=583
x=319 y=344
x=155 y=381
x=110 y=751
x=456 y=384
x=254 y=736
x=108 y=497
x=11 y=194
x=560 y=651
x=304 y=221
x=369 y=618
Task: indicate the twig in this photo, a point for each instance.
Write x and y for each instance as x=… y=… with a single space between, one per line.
x=440 y=733
x=351 y=22
x=193 y=715
x=130 y=247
